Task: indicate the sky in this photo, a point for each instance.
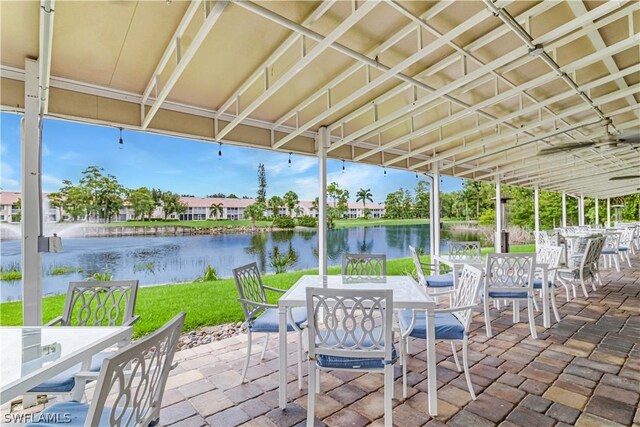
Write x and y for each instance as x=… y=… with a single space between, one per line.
x=184 y=166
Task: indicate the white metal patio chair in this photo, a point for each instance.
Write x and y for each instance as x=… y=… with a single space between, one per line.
x=549 y=255
x=583 y=267
x=542 y=238
x=262 y=317
x=364 y=268
x=510 y=276
x=451 y=324
x=91 y=304
x=130 y=385
x=611 y=250
x=626 y=244
x=350 y=329
x=438 y=282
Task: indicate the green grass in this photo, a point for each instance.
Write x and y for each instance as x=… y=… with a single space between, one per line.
x=64 y=270
x=206 y=303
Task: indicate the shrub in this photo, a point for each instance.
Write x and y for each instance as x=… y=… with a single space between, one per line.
x=104 y=276
x=284 y=222
x=64 y=270
x=307 y=221
x=10 y=272
x=280 y=262
x=210 y=275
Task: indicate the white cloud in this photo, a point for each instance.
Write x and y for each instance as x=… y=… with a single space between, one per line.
x=299 y=164
x=7 y=178
x=50 y=182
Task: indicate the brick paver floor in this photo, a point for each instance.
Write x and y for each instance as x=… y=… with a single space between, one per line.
x=583 y=371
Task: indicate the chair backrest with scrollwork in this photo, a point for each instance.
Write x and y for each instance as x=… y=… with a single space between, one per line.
x=109 y=303
x=250 y=288
x=542 y=238
x=418 y=266
x=506 y=272
x=350 y=322
x=464 y=251
x=612 y=241
x=466 y=294
x=132 y=381
x=626 y=236
x=364 y=267
x=550 y=256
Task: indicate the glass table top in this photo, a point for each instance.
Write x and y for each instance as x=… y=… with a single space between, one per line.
x=28 y=349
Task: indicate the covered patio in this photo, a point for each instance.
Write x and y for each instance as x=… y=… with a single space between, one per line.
x=542 y=95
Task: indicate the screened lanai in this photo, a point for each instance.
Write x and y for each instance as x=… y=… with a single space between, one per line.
x=481 y=90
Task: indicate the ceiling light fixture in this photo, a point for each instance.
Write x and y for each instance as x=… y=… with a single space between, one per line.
x=289 y=159
x=120 y=141
x=342 y=165
x=219 y=150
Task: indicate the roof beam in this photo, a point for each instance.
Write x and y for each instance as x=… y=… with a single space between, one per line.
x=288 y=43
x=322 y=45
x=395 y=71
x=532 y=151
x=182 y=59
x=566 y=113
x=363 y=131
x=579 y=9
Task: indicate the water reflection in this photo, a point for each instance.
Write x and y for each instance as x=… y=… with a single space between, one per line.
x=154 y=260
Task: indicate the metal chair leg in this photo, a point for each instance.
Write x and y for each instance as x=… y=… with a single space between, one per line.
x=455 y=355
x=246 y=362
x=465 y=364
x=264 y=349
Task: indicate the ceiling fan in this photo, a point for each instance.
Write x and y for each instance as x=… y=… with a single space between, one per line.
x=608 y=142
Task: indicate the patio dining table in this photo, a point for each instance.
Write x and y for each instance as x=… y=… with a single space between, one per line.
x=32 y=354
x=457 y=263
x=407 y=294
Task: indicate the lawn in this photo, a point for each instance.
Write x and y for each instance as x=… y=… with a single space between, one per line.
x=206 y=303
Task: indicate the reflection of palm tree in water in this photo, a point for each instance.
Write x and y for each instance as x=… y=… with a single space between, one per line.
x=258 y=246
x=365 y=246
x=337 y=244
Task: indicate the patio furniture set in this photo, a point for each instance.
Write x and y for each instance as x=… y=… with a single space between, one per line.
x=362 y=320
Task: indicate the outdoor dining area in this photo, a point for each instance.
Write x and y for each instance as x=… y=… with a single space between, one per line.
x=536 y=95
x=364 y=341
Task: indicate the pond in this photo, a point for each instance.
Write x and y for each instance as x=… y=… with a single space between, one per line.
x=159 y=260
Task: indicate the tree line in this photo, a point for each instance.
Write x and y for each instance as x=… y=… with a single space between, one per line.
x=98 y=196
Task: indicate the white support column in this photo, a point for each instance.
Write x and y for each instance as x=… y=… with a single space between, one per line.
x=581 y=210
x=323 y=144
x=498 y=209
x=31 y=261
x=435 y=220
x=608 y=211
x=564 y=209
x=597 y=219
x=432 y=236
x=536 y=208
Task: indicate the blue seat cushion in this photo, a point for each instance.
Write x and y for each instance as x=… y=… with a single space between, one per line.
x=608 y=252
x=268 y=320
x=537 y=283
x=439 y=280
x=448 y=327
x=65 y=381
x=340 y=362
x=509 y=294
x=623 y=248
x=72 y=414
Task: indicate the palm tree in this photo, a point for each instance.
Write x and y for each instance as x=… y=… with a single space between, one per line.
x=216 y=210
x=274 y=204
x=255 y=212
x=290 y=199
x=363 y=195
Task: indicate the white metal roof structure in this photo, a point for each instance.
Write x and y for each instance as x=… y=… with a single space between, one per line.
x=470 y=88
x=464 y=88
